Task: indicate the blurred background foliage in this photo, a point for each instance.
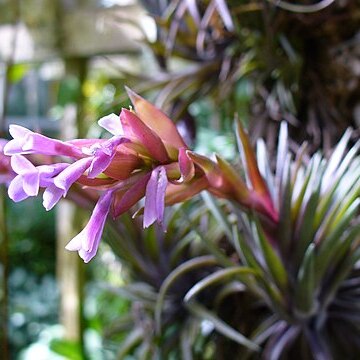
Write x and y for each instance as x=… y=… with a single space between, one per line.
x=201 y=61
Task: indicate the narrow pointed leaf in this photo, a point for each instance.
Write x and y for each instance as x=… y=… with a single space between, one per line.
x=273 y=261
x=240 y=190
x=304 y=292
x=221 y=326
x=176 y=193
x=249 y=160
x=181 y=270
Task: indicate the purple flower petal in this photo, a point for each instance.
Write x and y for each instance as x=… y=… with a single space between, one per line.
x=48 y=171
x=103 y=155
x=155 y=197
x=21 y=165
x=51 y=196
x=28 y=142
x=29 y=174
x=72 y=173
x=87 y=241
x=112 y=124
x=31 y=182
x=16 y=191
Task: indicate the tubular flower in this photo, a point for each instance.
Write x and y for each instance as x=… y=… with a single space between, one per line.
x=145 y=157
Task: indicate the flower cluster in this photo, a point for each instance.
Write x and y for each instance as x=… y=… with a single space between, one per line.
x=146 y=157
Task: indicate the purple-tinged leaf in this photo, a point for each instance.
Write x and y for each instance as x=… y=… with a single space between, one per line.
x=176 y=193
x=224 y=12
x=239 y=188
x=210 y=168
x=122 y=165
x=249 y=160
x=193 y=10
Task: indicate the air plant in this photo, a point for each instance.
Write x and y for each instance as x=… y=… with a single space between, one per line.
x=159 y=268
x=297 y=274
x=292 y=260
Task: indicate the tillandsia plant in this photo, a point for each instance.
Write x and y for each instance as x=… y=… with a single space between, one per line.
x=297 y=282
x=159 y=268
x=295 y=230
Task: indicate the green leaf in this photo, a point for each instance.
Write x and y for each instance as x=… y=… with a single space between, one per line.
x=331 y=244
x=218 y=213
x=282 y=150
x=181 y=270
x=305 y=285
x=304 y=231
x=262 y=157
x=221 y=326
x=343 y=261
x=241 y=273
x=134 y=338
x=245 y=252
x=273 y=262
x=301 y=185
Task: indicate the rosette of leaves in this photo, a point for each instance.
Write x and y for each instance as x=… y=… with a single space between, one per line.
x=158 y=269
x=273 y=60
x=294 y=292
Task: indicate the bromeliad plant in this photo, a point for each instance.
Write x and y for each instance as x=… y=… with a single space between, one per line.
x=294 y=229
x=298 y=275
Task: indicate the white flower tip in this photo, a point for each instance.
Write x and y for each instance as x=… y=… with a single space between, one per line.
x=74 y=244
x=112 y=124
x=60 y=184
